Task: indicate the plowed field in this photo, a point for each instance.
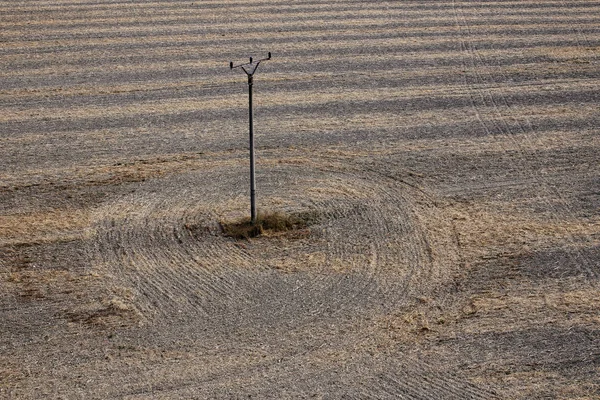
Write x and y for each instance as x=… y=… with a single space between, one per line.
x=448 y=153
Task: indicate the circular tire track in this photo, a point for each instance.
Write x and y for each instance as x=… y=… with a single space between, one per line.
x=373 y=257
x=151 y=248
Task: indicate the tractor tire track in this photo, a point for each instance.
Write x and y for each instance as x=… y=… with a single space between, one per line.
x=523 y=133
x=183 y=277
x=133 y=242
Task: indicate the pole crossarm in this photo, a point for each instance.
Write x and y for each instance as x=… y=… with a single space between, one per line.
x=250 y=69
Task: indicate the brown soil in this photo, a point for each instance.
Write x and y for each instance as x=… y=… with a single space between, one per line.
x=449 y=151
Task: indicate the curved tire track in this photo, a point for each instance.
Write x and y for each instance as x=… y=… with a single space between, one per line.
x=375 y=257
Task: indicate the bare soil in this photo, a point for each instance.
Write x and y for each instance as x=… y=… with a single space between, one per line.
x=448 y=151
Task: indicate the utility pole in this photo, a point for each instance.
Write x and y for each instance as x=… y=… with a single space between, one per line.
x=250 y=69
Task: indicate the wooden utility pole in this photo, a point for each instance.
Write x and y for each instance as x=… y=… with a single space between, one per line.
x=250 y=69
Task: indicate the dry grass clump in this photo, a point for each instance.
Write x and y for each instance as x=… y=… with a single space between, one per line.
x=268 y=223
